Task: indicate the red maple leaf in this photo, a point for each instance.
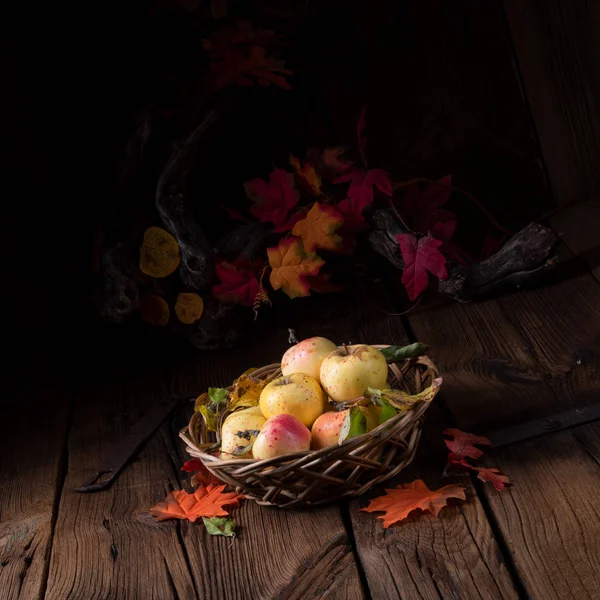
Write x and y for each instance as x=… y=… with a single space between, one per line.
x=497 y=479
x=238 y=284
x=444 y=230
x=422 y=208
x=462 y=445
x=203 y=476
x=419 y=257
x=273 y=199
x=352 y=211
x=362 y=184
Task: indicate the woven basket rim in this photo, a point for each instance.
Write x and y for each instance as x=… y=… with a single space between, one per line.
x=295 y=459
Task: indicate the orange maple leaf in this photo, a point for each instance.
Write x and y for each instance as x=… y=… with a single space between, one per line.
x=318 y=228
x=399 y=502
x=308 y=178
x=204 y=502
x=291 y=265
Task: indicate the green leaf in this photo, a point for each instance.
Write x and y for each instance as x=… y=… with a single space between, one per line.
x=241 y=450
x=355 y=424
x=218 y=395
x=220 y=526
x=387 y=412
x=397 y=353
x=210 y=418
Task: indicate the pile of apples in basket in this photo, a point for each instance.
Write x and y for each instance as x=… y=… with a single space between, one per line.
x=325 y=395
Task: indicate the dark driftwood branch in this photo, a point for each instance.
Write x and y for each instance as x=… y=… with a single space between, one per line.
x=524 y=256
x=197 y=268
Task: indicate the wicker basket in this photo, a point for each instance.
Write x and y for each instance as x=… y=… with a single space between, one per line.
x=322 y=476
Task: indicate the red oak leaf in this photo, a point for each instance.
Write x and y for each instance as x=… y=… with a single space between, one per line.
x=194 y=464
x=273 y=199
x=361 y=184
x=419 y=257
x=457 y=461
x=497 y=479
x=238 y=285
x=203 y=476
x=463 y=444
x=422 y=208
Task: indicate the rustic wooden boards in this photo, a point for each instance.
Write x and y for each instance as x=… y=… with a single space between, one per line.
x=32 y=457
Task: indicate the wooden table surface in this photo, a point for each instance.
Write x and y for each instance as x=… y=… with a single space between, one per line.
x=526 y=355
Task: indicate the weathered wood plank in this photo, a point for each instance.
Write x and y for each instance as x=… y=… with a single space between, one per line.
x=278 y=553
x=524 y=356
x=557 y=44
x=455 y=556
x=105 y=545
x=31 y=470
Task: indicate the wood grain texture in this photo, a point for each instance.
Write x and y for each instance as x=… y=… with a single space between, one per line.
x=557 y=45
x=578 y=225
x=31 y=459
x=527 y=355
x=278 y=553
x=105 y=545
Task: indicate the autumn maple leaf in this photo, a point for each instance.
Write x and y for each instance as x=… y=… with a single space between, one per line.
x=362 y=184
x=398 y=503
x=237 y=285
x=462 y=446
x=422 y=208
x=308 y=178
x=273 y=199
x=204 y=502
x=290 y=265
x=420 y=257
x=202 y=476
x=497 y=479
x=318 y=229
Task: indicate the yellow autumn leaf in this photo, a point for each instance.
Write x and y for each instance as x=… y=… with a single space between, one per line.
x=154 y=310
x=308 y=178
x=318 y=228
x=189 y=308
x=246 y=392
x=159 y=253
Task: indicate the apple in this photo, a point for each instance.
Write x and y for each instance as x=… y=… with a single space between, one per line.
x=299 y=395
x=326 y=429
x=307 y=356
x=249 y=419
x=281 y=434
x=346 y=373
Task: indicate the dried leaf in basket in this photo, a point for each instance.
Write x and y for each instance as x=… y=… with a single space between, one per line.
x=246 y=392
x=220 y=526
x=354 y=424
x=398 y=503
x=395 y=354
x=210 y=404
x=204 y=502
x=400 y=399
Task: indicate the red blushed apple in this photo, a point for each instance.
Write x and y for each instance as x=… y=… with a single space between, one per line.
x=347 y=373
x=281 y=434
x=307 y=356
x=326 y=429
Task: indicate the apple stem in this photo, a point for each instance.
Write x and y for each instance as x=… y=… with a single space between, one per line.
x=346 y=349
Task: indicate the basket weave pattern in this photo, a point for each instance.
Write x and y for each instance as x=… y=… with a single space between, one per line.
x=321 y=476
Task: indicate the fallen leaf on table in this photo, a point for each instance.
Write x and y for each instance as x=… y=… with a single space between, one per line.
x=462 y=446
x=497 y=479
x=397 y=353
x=220 y=526
x=398 y=503
x=422 y=207
x=154 y=309
x=274 y=199
x=290 y=264
x=238 y=285
x=354 y=424
x=159 y=253
x=246 y=392
x=204 y=502
x=189 y=308
x=420 y=257
x=202 y=475
x=318 y=228
x=308 y=178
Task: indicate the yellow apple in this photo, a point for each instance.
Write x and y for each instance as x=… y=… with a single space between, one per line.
x=249 y=419
x=307 y=356
x=281 y=434
x=299 y=395
x=326 y=429
x=347 y=373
